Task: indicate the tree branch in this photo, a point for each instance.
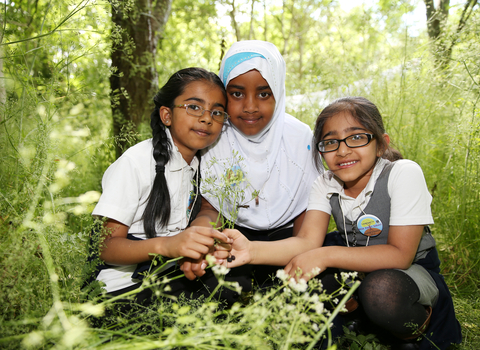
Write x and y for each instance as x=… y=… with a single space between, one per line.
x=79 y=7
x=467 y=11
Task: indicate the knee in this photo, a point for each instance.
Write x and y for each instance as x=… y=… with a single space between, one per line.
x=386 y=290
x=389 y=297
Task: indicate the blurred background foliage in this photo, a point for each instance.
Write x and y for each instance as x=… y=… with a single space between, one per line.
x=58 y=135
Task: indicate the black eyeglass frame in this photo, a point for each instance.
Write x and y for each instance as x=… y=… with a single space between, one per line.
x=203 y=110
x=370 y=137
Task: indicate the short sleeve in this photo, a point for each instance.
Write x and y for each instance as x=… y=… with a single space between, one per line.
x=410 y=199
x=121 y=192
x=318 y=199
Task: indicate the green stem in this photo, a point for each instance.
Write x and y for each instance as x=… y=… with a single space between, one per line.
x=70 y=15
x=28 y=223
x=332 y=316
x=290 y=332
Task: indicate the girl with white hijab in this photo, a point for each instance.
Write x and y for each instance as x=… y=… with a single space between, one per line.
x=276 y=148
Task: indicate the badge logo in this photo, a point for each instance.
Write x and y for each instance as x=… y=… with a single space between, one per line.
x=369 y=225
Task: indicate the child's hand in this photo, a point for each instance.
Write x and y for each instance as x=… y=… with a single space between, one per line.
x=196 y=268
x=240 y=248
x=306 y=265
x=222 y=251
x=193 y=268
x=195 y=242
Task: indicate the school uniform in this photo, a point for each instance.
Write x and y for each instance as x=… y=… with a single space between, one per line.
x=276 y=164
x=126 y=185
x=396 y=195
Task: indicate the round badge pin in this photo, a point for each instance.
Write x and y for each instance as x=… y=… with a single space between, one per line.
x=369 y=225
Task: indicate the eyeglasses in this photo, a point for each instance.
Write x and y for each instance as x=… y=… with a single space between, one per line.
x=197 y=111
x=353 y=141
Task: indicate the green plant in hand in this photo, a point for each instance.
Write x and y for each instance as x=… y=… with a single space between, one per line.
x=228 y=189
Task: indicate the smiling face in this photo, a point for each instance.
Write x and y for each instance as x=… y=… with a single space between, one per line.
x=190 y=133
x=250 y=102
x=353 y=166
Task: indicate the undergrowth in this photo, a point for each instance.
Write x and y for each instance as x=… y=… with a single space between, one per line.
x=55 y=144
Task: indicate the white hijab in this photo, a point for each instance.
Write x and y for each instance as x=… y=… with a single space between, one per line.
x=278 y=161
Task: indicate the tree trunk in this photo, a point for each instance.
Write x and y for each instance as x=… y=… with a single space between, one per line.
x=436 y=17
x=134 y=80
x=436 y=23
x=251 y=34
x=234 y=21
x=265 y=20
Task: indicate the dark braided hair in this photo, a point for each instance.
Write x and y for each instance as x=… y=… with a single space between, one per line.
x=158 y=206
x=366 y=113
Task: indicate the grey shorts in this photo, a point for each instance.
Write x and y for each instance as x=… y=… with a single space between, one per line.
x=425 y=283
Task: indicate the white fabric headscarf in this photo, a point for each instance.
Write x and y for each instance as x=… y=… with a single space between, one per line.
x=278 y=161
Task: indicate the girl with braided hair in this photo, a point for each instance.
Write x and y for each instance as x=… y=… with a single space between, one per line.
x=149 y=197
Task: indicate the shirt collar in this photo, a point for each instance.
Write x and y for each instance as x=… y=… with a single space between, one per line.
x=335 y=185
x=177 y=162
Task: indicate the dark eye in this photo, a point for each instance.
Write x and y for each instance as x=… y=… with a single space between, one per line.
x=264 y=94
x=195 y=107
x=329 y=142
x=236 y=94
x=217 y=113
x=358 y=137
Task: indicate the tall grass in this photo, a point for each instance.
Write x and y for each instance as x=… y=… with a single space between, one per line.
x=433 y=118
x=55 y=144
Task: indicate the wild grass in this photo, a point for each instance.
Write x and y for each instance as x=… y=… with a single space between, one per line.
x=55 y=145
x=433 y=118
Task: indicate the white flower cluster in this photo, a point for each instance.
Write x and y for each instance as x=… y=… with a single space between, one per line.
x=348 y=275
x=300 y=287
x=282 y=275
x=236 y=287
x=220 y=270
x=319 y=307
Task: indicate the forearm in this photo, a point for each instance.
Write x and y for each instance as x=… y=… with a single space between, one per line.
x=194 y=242
x=123 y=251
x=364 y=259
x=278 y=253
x=398 y=253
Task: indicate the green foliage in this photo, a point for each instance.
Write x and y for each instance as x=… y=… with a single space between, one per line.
x=55 y=144
x=228 y=188
x=360 y=342
x=468 y=313
x=52 y=117
x=192 y=38
x=440 y=132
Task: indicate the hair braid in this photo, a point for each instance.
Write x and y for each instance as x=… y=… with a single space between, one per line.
x=158 y=206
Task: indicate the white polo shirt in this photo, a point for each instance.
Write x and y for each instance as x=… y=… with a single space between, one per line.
x=410 y=199
x=127 y=184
